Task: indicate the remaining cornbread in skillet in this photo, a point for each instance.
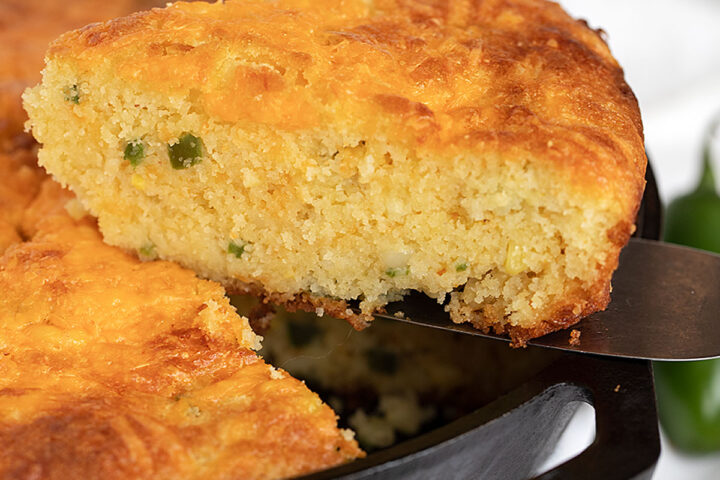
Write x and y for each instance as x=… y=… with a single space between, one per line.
x=20 y=182
x=317 y=152
x=114 y=368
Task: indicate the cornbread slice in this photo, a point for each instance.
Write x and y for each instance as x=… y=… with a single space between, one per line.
x=114 y=368
x=321 y=152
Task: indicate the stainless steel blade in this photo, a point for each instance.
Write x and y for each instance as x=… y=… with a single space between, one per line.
x=665 y=306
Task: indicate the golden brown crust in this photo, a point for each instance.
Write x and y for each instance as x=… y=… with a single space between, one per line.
x=20 y=180
x=518 y=77
x=561 y=317
x=12 y=116
x=113 y=368
x=26 y=29
x=594 y=299
x=28 y=26
x=47 y=210
x=73 y=406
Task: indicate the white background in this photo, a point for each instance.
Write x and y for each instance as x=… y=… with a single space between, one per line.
x=670 y=50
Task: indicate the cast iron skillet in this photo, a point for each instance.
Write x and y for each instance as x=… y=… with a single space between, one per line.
x=510 y=437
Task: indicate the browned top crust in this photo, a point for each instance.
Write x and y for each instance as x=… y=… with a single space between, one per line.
x=28 y=26
x=517 y=77
x=26 y=29
x=113 y=368
x=20 y=181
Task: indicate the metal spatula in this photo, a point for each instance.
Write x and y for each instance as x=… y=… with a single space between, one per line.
x=665 y=306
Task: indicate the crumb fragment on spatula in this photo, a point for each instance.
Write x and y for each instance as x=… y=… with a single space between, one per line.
x=575 y=338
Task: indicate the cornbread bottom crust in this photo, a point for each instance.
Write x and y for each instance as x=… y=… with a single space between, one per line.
x=304 y=302
x=561 y=318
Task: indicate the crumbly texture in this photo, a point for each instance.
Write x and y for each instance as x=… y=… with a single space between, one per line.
x=114 y=368
x=489 y=152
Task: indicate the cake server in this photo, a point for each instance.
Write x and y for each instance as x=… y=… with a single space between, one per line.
x=665 y=305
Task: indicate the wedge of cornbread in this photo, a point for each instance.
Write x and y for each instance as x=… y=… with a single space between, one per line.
x=320 y=153
x=114 y=368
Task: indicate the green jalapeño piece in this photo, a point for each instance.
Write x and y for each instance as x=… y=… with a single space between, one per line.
x=72 y=94
x=134 y=152
x=236 y=248
x=396 y=272
x=147 y=252
x=186 y=152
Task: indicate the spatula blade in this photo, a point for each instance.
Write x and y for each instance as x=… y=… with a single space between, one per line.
x=665 y=306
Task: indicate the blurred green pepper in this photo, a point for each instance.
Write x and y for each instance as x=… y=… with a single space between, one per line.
x=688 y=393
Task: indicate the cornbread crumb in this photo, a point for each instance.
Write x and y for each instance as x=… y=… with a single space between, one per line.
x=75 y=209
x=372 y=429
x=347 y=434
x=355 y=151
x=575 y=338
x=114 y=369
x=27 y=28
x=276 y=374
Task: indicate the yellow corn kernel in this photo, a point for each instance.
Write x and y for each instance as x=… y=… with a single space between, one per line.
x=137 y=181
x=515 y=259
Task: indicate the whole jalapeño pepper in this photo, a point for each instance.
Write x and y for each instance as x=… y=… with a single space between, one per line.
x=688 y=393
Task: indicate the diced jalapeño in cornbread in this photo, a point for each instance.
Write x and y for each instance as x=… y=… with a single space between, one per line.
x=186 y=151
x=71 y=94
x=134 y=152
x=394 y=272
x=147 y=252
x=236 y=248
